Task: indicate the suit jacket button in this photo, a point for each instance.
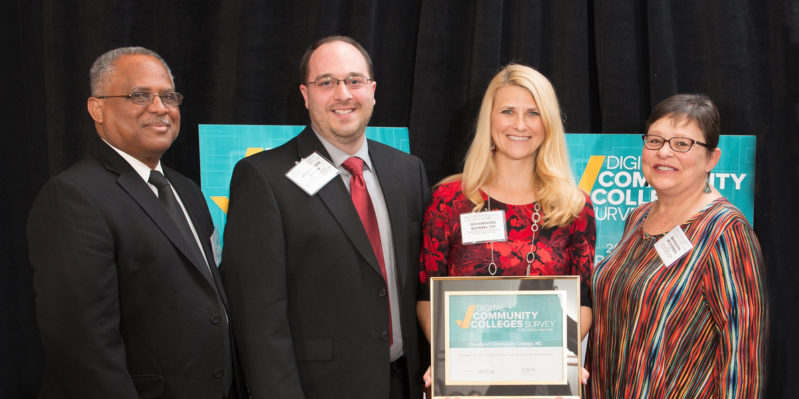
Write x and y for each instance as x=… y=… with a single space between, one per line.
x=384 y=335
x=218 y=373
x=382 y=292
x=215 y=319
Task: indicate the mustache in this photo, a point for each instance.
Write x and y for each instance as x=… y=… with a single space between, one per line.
x=158 y=121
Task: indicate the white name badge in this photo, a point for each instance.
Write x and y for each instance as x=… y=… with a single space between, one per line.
x=216 y=247
x=312 y=173
x=673 y=246
x=479 y=227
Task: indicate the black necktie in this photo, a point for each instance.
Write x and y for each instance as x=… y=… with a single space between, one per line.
x=174 y=210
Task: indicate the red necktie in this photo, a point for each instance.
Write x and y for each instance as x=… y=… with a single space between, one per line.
x=363 y=204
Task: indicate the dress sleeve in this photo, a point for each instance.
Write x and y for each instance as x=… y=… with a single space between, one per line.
x=735 y=289
x=436 y=230
x=582 y=249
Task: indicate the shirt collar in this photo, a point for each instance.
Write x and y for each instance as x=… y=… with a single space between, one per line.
x=139 y=166
x=338 y=156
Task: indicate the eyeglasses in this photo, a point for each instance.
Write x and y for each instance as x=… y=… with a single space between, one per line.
x=353 y=82
x=677 y=144
x=171 y=99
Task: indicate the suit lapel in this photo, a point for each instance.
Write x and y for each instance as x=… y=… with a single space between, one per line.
x=196 y=210
x=391 y=185
x=133 y=184
x=337 y=200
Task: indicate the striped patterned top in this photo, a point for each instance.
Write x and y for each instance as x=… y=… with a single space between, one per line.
x=695 y=329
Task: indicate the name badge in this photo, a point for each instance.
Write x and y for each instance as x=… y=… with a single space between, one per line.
x=312 y=173
x=216 y=247
x=673 y=246
x=479 y=227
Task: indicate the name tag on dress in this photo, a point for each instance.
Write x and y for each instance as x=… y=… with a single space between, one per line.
x=312 y=173
x=479 y=227
x=673 y=246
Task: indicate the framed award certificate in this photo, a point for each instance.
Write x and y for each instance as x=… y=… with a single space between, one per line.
x=505 y=337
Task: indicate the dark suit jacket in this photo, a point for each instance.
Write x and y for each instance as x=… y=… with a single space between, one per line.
x=122 y=311
x=305 y=287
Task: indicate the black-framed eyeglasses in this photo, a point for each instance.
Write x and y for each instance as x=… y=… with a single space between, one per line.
x=677 y=144
x=170 y=99
x=353 y=82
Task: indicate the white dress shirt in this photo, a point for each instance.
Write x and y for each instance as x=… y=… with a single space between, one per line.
x=384 y=226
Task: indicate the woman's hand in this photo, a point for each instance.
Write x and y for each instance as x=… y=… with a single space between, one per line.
x=428 y=381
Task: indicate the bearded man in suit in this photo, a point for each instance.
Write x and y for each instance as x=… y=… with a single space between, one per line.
x=323 y=283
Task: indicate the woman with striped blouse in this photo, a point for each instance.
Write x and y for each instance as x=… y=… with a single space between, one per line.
x=679 y=306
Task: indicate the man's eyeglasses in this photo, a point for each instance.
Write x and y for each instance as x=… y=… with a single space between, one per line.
x=171 y=99
x=677 y=144
x=353 y=82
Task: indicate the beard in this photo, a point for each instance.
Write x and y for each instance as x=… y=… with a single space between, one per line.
x=326 y=125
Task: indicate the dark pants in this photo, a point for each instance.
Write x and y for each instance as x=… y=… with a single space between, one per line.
x=399 y=379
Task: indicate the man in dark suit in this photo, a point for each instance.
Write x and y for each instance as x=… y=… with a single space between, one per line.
x=322 y=285
x=128 y=296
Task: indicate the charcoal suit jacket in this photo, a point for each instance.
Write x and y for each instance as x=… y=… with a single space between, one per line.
x=123 y=309
x=304 y=284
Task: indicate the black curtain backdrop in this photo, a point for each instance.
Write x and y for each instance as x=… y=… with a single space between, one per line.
x=237 y=61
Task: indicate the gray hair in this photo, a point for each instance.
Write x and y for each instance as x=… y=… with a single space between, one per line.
x=103 y=67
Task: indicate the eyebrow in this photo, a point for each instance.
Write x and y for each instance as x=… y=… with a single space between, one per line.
x=149 y=89
x=330 y=75
x=506 y=106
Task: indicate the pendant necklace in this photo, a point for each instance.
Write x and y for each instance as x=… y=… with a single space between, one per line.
x=534 y=230
x=530 y=258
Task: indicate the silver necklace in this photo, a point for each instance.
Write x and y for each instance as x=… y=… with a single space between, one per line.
x=530 y=258
x=534 y=229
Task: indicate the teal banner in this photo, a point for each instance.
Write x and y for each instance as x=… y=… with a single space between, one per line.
x=221 y=146
x=608 y=166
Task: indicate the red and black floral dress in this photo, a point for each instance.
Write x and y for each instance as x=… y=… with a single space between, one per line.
x=565 y=250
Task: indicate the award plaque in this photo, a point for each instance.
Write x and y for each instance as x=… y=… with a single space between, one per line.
x=505 y=337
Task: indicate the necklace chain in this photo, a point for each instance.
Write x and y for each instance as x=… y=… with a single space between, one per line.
x=534 y=230
x=534 y=226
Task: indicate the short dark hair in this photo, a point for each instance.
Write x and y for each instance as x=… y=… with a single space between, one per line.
x=103 y=67
x=695 y=107
x=338 y=38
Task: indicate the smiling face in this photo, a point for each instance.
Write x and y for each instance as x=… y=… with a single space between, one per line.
x=677 y=174
x=143 y=131
x=340 y=115
x=516 y=126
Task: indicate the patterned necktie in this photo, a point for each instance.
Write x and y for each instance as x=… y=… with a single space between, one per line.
x=366 y=211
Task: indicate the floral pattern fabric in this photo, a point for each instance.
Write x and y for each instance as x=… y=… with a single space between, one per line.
x=565 y=250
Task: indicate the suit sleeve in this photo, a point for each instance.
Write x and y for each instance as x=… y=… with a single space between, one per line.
x=77 y=300
x=254 y=275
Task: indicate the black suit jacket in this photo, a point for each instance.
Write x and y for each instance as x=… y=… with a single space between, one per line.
x=304 y=285
x=122 y=310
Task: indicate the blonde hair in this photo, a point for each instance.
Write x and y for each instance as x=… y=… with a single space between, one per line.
x=556 y=191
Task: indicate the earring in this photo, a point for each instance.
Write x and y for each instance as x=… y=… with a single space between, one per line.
x=493 y=146
x=707 y=189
